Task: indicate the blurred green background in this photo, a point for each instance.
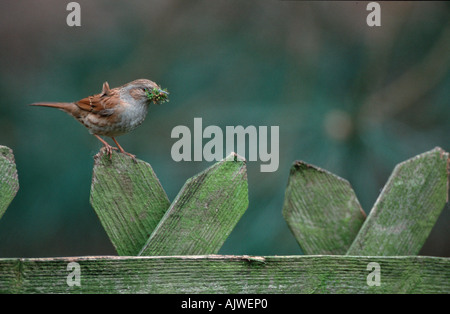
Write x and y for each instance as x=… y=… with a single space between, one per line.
x=353 y=99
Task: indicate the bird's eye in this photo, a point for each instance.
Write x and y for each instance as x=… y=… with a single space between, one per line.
x=144 y=90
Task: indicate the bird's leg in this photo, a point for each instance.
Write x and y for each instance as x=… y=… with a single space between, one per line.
x=123 y=151
x=108 y=147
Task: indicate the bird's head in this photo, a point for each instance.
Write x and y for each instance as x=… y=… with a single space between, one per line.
x=147 y=91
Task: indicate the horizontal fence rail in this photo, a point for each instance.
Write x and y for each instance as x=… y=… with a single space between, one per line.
x=226 y=274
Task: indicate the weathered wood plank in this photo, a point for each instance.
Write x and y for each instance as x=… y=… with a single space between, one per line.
x=128 y=199
x=321 y=209
x=407 y=208
x=204 y=212
x=9 y=182
x=226 y=274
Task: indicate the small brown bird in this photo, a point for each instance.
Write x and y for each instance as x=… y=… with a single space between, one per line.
x=115 y=111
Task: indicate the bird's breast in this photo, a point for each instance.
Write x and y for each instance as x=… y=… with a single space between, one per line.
x=125 y=119
x=131 y=117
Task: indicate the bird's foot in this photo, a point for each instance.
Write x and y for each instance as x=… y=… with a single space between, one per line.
x=131 y=155
x=124 y=152
x=106 y=149
x=109 y=149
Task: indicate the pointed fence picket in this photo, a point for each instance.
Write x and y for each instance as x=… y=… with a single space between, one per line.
x=9 y=183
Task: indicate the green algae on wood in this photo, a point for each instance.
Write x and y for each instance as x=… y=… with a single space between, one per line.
x=226 y=274
x=407 y=208
x=128 y=199
x=9 y=182
x=204 y=212
x=321 y=209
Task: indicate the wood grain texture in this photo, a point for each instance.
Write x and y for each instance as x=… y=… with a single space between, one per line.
x=204 y=212
x=226 y=274
x=128 y=199
x=322 y=210
x=407 y=208
x=9 y=182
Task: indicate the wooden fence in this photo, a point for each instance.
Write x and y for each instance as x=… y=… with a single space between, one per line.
x=171 y=247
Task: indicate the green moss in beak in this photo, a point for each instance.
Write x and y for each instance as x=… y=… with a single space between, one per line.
x=158 y=96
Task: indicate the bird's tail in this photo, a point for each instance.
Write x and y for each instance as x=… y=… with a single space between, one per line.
x=68 y=107
x=59 y=105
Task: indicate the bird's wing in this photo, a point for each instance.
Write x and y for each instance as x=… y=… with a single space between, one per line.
x=101 y=104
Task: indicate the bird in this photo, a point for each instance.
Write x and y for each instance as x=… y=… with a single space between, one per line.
x=114 y=111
